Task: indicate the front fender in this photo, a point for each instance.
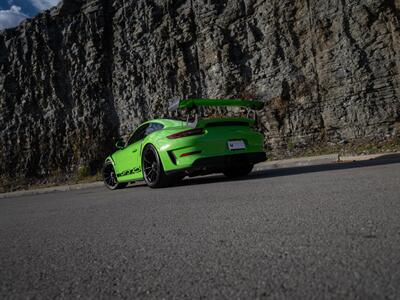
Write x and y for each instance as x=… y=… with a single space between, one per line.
x=109 y=159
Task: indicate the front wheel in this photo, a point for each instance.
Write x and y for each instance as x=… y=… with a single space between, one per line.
x=110 y=178
x=152 y=168
x=238 y=171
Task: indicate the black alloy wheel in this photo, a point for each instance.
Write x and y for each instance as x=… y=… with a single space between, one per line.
x=153 y=171
x=110 y=177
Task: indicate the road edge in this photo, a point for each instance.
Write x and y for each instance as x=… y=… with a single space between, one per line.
x=268 y=165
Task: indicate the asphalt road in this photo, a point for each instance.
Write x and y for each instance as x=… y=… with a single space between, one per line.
x=328 y=231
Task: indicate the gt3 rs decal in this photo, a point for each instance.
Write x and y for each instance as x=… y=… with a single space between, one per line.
x=128 y=172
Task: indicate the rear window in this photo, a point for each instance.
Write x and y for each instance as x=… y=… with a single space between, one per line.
x=153 y=127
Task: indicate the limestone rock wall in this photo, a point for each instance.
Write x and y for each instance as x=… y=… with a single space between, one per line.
x=56 y=102
x=76 y=77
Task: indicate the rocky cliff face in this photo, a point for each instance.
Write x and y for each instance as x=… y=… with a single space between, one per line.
x=76 y=77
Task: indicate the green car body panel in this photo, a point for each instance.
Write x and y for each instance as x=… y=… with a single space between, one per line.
x=206 y=141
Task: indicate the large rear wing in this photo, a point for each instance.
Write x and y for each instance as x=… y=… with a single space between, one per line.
x=191 y=104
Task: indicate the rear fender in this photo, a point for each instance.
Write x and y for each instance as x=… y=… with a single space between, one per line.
x=162 y=144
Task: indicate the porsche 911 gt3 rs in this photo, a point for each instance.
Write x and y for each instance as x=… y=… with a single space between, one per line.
x=163 y=151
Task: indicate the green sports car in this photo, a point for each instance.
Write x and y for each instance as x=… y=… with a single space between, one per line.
x=163 y=151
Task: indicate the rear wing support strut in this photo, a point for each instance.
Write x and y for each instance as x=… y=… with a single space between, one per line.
x=191 y=105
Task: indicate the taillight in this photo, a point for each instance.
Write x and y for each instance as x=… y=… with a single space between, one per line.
x=190 y=153
x=190 y=132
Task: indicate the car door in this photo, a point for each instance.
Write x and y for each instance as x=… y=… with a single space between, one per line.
x=127 y=160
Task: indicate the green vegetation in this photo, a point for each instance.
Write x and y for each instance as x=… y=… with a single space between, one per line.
x=349 y=148
x=57 y=177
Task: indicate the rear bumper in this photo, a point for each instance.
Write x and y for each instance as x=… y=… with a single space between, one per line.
x=218 y=163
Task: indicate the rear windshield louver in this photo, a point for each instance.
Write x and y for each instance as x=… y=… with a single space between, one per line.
x=231 y=123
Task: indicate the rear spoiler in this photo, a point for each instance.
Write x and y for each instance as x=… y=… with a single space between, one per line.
x=191 y=104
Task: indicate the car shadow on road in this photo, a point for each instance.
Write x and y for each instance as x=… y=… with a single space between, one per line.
x=288 y=171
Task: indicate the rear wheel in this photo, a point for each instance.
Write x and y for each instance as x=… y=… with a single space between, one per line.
x=238 y=171
x=152 y=168
x=110 y=177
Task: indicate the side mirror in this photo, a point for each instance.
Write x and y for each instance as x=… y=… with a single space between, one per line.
x=120 y=144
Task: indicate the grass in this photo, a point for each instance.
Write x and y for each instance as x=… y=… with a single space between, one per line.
x=372 y=148
x=81 y=176
x=349 y=148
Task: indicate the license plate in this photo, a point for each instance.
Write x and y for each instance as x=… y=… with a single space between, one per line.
x=236 y=145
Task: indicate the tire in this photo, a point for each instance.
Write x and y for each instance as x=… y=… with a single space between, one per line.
x=110 y=178
x=238 y=171
x=152 y=168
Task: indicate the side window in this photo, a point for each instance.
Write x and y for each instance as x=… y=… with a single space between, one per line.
x=137 y=135
x=153 y=127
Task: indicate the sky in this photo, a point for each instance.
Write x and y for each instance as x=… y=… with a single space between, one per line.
x=13 y=12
